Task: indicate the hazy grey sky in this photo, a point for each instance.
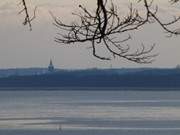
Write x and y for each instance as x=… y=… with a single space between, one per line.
x=22 y=48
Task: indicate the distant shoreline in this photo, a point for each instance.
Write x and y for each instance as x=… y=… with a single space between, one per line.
x=141 y=79
x=89 y=89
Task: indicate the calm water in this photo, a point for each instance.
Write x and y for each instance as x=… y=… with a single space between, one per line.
x=89 y=113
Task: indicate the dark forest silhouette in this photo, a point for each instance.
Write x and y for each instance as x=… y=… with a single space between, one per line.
x=134 y=78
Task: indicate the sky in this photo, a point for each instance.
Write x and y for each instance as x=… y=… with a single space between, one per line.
x=20 y=47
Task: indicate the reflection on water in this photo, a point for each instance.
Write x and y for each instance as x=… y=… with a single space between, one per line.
x=106 y=111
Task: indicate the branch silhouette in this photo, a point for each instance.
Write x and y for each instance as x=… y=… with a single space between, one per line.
x=105 y=27
x=27 y=19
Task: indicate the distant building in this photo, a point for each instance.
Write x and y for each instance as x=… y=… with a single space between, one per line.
x=51 y=66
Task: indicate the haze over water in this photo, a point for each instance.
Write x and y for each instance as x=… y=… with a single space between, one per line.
x=89 y=112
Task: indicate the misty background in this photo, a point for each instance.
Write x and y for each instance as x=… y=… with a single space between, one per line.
x=20 y=47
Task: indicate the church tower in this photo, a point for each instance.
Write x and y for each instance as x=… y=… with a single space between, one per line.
x=51 y=66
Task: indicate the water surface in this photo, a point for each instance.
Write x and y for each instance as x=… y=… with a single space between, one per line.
x=89 y=112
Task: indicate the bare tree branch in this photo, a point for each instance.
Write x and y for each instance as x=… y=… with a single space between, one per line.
x=105 y=27
x=27 y=19
x=174 y=1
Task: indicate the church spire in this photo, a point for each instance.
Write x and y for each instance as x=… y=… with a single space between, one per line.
x=51 y=66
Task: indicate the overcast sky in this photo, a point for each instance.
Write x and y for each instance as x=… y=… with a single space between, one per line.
x=21 y=48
